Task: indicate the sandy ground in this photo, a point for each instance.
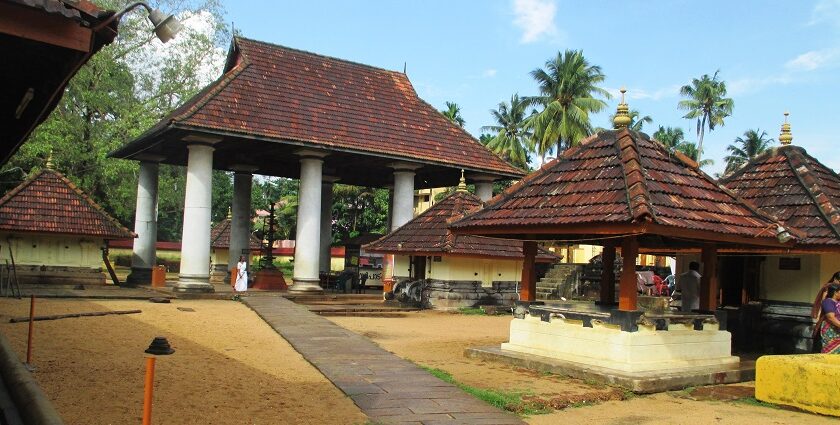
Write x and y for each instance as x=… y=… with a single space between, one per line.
x=438 y=340
x=229 y=366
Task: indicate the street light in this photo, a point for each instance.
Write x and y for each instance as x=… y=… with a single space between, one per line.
x=166 y=26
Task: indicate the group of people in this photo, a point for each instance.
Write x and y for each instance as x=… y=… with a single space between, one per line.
x=827 y=312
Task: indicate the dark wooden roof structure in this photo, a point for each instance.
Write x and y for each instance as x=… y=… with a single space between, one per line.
x=792 y=186
x=47 y=202
x=428 y=235
x=220 y=236
x=43 y=44
x=619 y=183
x=273 y=100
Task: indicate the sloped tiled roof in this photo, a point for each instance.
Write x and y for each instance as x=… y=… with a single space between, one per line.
x=428 y=234
x=47 y=202
x=220 y=236
x=286 y=94
x=622 y=179
x=793 y=187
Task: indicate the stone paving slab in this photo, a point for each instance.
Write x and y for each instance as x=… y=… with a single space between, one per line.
x=387 y=388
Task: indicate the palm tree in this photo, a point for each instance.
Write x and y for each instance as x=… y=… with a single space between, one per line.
x=636 y=121
x=746 y=148
x=453 y=113
x=671 y=137
x=568 y=86
x=690 y=150
x=706 y=103
x=512 y=135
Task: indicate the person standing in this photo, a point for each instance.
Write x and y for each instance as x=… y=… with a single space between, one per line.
x=688 y=284
x=241 y=275
x=830 y=325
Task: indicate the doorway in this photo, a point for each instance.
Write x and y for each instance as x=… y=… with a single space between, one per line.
x=418 y=267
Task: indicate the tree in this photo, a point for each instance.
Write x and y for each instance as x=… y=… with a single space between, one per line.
x=453 y=114
x=636 y=121
x=358 y=210
x=568 y=87
x=746 y=148
x=690 y=150
x=706 y=103
x=671 y=137
x=512 y=134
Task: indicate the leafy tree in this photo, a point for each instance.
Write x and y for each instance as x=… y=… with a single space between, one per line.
x=690 y=150
x=568 y=90
x=706 y=102
x=746 y=148
x=671 y=137
x=453 y=114
x=512 y=134
x=358 y=210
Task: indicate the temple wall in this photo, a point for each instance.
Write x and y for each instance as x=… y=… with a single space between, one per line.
x=794 y=285
x=485 y=271
x=65 y=251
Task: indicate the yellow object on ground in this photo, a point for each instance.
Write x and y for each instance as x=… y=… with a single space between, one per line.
x=807 y=381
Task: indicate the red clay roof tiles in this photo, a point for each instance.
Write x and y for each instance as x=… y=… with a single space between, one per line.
x=220 y=236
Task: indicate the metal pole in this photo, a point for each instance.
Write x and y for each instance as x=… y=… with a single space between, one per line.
x=149 y=389
x=31 y=328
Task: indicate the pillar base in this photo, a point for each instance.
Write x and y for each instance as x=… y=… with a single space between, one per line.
x=188 y=283
x=138 y=276
x=307 y=286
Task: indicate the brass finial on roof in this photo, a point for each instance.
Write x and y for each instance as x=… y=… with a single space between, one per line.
x=786 y=137
x=622 y=115
x=49 y=163
x=230 y=214
x=462 y=184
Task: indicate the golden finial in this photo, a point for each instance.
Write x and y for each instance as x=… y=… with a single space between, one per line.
x=622 y=115
x=786 y=137
x=230 y=214
x=49 y=164
x=462 y=184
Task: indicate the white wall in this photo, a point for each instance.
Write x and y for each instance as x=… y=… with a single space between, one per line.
x=66 y=251
x=486 y=271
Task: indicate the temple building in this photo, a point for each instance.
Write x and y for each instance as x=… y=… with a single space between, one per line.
x=221 y=259
x=455 y=271
x=53 y=233
x=775 y=288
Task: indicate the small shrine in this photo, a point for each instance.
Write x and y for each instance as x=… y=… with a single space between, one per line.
x=220 y=256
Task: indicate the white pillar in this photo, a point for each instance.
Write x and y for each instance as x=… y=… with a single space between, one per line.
x=143 y=257
x=484 y=188
x=326 y=224
x=195 y=242
x=308 y=237
x=240 y=222
x=403 y=210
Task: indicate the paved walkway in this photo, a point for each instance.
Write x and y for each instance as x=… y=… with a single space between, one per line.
x=387 y=388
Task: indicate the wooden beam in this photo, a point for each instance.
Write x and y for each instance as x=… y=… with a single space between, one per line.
x=627 y=292
x=708 y=280
x=528 y=286
x=608 y=275
x=38 y=25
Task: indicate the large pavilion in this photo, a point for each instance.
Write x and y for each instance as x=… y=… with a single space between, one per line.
x=283 y=112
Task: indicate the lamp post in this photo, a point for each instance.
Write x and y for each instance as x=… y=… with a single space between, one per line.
x=158 y=347
x=166 y=26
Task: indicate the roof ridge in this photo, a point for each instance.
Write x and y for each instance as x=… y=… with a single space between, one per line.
x=22 y=185
x=775 y=150
x=203 y=97
x=91 y=202
x=222 y=225
x=638 y=197
x=827 y=210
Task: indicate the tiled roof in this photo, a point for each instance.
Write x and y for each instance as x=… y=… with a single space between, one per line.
x=285 y=94
x=220 y=236
x=428 y=234
x=47 y=202
x=793 y=187
x=625 y=180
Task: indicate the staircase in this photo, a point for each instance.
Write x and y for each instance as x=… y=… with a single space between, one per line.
x=559 y=281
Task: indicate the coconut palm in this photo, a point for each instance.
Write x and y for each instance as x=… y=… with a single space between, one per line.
x=637 y=121
x=512 y=135
x=706 y=103
x=746 y=148
x=568 y=87
x=690 y=150
x=671 y=137
x=453 y=113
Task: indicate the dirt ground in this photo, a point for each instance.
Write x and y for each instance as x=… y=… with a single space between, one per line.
x=438 y=340
x=229 y=366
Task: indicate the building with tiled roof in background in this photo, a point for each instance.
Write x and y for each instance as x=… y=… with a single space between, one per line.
x=796 y=188
x=220 y=250
x=454 y=271
x=54 y=231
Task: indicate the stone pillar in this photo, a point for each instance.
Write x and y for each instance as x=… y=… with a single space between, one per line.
x=607 y=275
x=144 y=255
x=308 y=237
x=403 y=207
x=483 y=188
x=708 y=280
x=528 y=285
x=326 y=223
x=627 y=291
x=240 y=221
x=195 y=240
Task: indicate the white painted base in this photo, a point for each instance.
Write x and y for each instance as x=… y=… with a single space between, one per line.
x=608 y=347
x=189 y=283
x=307 y=286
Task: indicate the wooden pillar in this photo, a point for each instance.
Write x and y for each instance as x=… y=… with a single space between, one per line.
x=627 y=286
x=708 y=281
x=608 y=275
x=528 y=286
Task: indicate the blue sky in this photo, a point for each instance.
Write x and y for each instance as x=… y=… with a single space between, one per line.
x=773 y=55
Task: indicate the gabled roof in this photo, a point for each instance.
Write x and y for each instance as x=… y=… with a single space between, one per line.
x=47 y=202
x=279 y=94
x=792 y=186
x=220 y=236
x=428 y=234
x=621 y=182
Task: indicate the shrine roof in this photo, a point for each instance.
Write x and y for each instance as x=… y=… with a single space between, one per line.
x=47 y=202
x=220 y=236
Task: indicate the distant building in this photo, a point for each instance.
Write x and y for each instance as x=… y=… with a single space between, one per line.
x=220 y=251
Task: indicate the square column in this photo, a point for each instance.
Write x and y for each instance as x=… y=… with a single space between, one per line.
x=308 y=236
x=627 y=292
x=326 y=223
x=240 y=222
x=607 y=296
x=195 y=240
x=708 y=280
x=528 y=286
x=144 y=254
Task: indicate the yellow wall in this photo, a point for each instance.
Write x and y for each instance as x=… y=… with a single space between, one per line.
x=797 y=285
x=457 y=268
x=66 y=251
x=425 y=198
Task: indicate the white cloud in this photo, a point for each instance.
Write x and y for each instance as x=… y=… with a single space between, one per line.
x=536 y=19
x=826 y=11
x=812 y=60
x=639 y=94
x=489 y=73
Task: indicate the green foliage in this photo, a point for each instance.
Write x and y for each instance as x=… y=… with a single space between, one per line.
x=453 y=114
x=358 y=210
x=745 y=148
x=674 y=140
x=706 y=102
x=752 y=401
x=513 y=137
x=507 y=400
x=472 y=311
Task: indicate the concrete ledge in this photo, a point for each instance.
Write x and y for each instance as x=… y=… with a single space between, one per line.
x=638 y=382
x=807 y=381
x=32 y=404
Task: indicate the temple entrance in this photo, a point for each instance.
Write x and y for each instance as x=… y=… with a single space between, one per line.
x=739 y=278
x=418 y=267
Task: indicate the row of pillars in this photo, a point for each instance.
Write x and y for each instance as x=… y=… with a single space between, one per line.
x=314 y=217
x=627 y=292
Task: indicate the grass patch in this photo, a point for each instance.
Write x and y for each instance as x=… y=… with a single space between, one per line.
x=472 y=311
x=752 y=401
x=507 y=400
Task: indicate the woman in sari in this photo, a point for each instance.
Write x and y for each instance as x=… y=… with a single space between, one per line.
x=830 y=325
